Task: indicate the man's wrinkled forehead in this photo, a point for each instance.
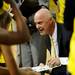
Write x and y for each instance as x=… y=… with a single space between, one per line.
x=43 y=12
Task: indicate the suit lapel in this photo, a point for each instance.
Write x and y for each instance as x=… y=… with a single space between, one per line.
x=48 y=43
x=59 y=31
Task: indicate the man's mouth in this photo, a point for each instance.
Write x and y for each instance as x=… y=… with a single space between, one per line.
x=40 y=30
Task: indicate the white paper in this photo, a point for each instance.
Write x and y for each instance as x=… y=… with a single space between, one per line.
x=64 y=60
x=41 y=68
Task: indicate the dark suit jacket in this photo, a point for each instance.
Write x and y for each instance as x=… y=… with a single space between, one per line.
x=63 y=38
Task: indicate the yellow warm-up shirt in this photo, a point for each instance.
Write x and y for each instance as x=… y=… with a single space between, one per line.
x=71 y=62
x=11 y=27
x=58 y=10
x=6 y=7
x=52 y=6
x=1 y=55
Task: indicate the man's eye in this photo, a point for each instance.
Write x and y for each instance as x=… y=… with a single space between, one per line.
x=39 y=22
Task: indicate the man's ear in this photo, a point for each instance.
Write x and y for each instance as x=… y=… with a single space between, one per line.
x=50 y=21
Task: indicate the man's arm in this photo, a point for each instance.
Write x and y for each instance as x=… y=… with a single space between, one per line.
x=9 y=59
x=4 y=71
x=27 y=71
x=21 y=35
x=9 y=38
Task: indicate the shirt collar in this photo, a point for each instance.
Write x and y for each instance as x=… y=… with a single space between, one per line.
x=54 y=35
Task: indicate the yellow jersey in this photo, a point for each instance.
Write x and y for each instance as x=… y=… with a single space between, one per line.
x=13 y=47
x=71 y=62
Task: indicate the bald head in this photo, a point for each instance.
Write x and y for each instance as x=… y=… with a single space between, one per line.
x=43 y=12
x=44 y=21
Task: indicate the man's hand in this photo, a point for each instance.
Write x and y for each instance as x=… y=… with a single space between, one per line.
x=53 y=62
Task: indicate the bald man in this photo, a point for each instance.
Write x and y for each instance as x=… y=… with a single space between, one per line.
x=48 y=28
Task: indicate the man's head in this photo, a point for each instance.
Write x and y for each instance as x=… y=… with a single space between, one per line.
x=44 y=21
x=5 y=19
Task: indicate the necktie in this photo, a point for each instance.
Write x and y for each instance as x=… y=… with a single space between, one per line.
x=47 y=55
x=53 y=52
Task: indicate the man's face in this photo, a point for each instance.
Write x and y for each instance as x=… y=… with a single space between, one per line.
x=43 y=25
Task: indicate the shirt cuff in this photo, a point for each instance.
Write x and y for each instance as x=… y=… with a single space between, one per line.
x=63 y=60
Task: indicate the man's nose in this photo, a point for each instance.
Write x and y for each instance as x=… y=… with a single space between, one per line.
x=37 y=26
